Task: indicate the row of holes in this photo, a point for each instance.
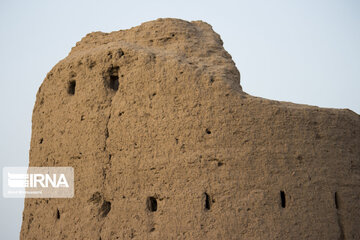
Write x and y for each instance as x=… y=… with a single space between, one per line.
x=152 y=206
x=151 y=202
x=113 y=82
x=283 y=199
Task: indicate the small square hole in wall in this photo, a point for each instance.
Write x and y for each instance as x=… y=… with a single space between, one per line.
x=113 y=78
x=71 y=87
x=336 y=200
x=57 y=214
x=114 y=82
x=283 y=199
x=207 y=201
x=151 y=204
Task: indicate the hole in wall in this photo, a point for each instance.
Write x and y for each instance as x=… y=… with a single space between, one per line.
x=71 y=87
x=336 y=200
x=283 y=199
x=114 y=78
x=57 y=214
x=41 y=140
x=207 y=201
x=105 y=208
x=208 y=131
x=151 y=204
x=114 y=83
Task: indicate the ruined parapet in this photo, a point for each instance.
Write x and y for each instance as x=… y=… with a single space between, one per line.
x=166 y=145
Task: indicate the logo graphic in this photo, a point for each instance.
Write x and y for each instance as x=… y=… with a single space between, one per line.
x=38 y=182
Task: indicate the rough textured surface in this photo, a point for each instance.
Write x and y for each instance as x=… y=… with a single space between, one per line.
x=166 y=145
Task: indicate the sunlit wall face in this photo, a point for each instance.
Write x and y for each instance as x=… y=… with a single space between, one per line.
x=301 y=51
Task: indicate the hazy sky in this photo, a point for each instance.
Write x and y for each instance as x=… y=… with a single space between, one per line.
x=302 y=51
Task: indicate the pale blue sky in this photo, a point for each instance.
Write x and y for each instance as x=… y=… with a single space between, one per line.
x=301 y=51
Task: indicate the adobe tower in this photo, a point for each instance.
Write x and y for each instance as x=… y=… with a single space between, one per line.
x=166 y=145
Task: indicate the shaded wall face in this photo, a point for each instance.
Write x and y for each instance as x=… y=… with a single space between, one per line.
x=163 y=148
